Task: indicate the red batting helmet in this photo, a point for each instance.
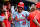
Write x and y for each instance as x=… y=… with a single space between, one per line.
x=21 y=4
x=38 y=5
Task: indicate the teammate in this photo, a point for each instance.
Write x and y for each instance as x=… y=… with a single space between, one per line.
x=34 y=22
x=32 y=8
x=19 y=16
x=7 y=22
x=3 y=15
x=37 y=17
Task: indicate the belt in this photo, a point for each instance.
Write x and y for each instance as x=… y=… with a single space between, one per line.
x=20 y=20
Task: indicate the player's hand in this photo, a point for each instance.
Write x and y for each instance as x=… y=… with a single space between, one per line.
x=4 y=8
x=12 y=22
x=39 y=25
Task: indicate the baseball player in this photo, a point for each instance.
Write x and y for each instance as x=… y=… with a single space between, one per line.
x=8 y=7
x=34 y=17
x=20 y=16
x=3 y=16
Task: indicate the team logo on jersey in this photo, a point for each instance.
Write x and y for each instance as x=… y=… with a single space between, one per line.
x=24 y=23
x=23 y=16
x=15 y=17
x=20 y=3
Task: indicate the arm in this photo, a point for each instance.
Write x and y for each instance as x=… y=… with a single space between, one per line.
x=28 y=18
x=3 y=25
x=5 y=10
x=36 y=19
x=6 y=16
x=27 y=13
x=10 y=18
x=36 y=22
x=12 y=15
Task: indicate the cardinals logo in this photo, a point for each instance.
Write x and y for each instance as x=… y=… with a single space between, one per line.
x=24 y=23
x=15 y=17
x=23 y=16
x=20 y=3
x=17 y=20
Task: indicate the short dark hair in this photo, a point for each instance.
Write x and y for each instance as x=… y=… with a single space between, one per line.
x=1 y=4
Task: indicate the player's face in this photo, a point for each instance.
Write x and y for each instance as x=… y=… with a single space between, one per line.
x=9 y=6
x=19 y=9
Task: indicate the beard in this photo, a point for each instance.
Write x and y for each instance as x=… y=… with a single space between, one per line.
x=19 y=11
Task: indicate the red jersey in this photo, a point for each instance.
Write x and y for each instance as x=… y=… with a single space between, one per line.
x=37 y=16
x=6 y=22
x=31 y=17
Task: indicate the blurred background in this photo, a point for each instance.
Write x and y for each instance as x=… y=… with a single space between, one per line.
x=27 y=3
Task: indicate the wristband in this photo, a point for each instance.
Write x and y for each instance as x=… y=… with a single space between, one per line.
x=5 y=11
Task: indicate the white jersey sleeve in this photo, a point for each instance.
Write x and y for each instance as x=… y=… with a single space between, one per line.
x=14 y=13
x=27 y=13
x=2 y=18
